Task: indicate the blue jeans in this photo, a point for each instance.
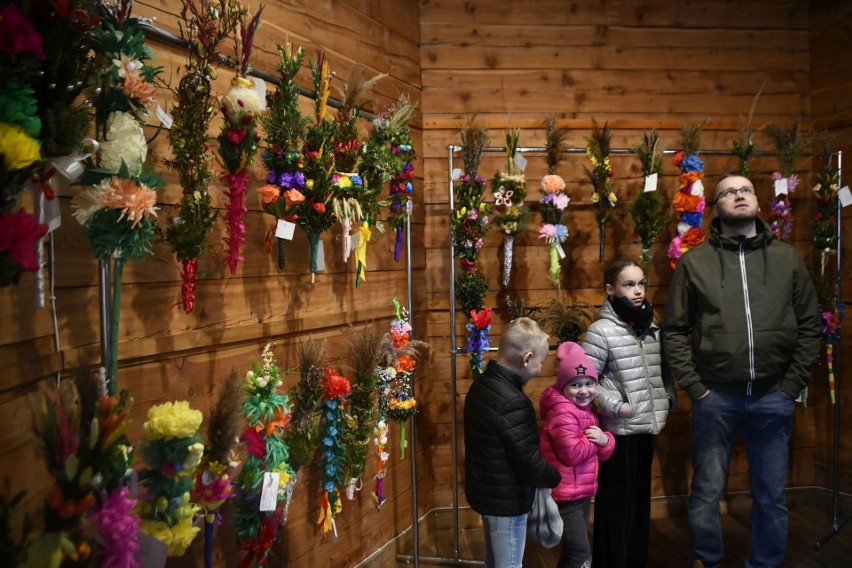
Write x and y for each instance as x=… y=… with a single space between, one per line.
x=766 y=422
x=505 y=539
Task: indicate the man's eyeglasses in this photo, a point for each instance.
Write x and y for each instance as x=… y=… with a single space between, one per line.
x=733 y=192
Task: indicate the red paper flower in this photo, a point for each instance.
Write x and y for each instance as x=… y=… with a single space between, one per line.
x=678 y=158
x=399 y=339
x=255 y=443
x=404 y=364
x=482 y=318
x=334 y=385
x=319 y=207
x=18 y=235
x=236 y=136
x=692 y=237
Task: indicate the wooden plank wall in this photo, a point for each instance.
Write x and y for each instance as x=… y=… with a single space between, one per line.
x=636 y=64
x=167 y=355
x=831 y=84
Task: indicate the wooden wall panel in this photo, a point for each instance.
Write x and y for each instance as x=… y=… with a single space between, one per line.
x=165 y=354
x=636 y=65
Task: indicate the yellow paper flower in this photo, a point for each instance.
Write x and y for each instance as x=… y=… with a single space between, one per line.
x=177 y=538
x=171 y=420
x=596 y=197
x=612 y=198
x=19 y=150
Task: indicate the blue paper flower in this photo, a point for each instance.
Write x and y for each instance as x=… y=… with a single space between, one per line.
x=692 y=218
x=691 y=163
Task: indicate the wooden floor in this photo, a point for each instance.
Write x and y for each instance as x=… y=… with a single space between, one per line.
x=809 y=522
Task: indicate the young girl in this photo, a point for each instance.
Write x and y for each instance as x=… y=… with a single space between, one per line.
x=572 y=441
x=624 y=345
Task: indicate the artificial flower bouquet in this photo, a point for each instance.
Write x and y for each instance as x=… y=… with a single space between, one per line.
x=239 y=140
x=332 y=454
x=315 y=214
x=648 y=209
x=510 y=191
x=402 y=183
x=601 y=176
x=554 y=200
x=264 y=485
x=790 y=143
x=478 y=341
x=284 y=126
x=171 y=448
x=689 y=200
x=205 y=24
x=825 y=218
x=364 y=352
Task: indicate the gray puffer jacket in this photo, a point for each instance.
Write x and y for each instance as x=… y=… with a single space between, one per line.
x=630 y=368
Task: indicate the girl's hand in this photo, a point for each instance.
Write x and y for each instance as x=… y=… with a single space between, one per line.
x=596 y=436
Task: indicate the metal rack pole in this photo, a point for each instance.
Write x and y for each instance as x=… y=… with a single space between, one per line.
x=836 y=523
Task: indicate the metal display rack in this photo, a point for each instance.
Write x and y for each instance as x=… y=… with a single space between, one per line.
x=452 y=150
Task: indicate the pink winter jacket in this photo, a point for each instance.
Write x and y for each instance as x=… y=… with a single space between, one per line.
x=564 y=444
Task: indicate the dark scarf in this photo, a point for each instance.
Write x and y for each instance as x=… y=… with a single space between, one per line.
x=639 y=318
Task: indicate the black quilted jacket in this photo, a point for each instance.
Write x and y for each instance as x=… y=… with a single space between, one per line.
x=503 y=464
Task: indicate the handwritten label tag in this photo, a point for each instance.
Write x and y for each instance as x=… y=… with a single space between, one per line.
x=651 y=183
x=165 y=119
x=845 y=196
x=269 y=494
x=520 y=161
x=285 y=229
x=457 y=174
x=320 y=256
x=559 y=250
x=781 y=187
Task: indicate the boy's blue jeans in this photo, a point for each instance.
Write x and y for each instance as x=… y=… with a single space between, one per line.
x=767 y=423
x=505 y=540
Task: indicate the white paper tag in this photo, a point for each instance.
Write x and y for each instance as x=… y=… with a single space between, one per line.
x=269 y=494
x=284 y=230
x=697 y=188
x=354 y=239
x=780 y=187
x=49 y=213
x=651 y=183
x=845 y=196
x=320 y=256
x=457 y=174
x=559 y=250
x=165 y=119
x=520 y=161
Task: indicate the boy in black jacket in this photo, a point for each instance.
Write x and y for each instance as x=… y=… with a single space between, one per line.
x=503 y=464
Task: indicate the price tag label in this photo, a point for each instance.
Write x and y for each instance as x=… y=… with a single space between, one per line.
x=165 y=119
x=651 y=183
x=285 y=230
x=845 y=196
x=520 y=161
x=781 y=187
x=269 y=493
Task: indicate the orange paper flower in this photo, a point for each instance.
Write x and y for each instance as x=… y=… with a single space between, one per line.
x=404 y=364
x=269 y=193
x=292 y=197
x=688 y=178
x=691 y=238
x=399 y=339
x=685 y=202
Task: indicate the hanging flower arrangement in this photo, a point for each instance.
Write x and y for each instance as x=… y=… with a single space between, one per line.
x=469 y=222
x=478 y=341
x=790 y=143
x=554 y=201
x=402 y=183
x=264 y=486
x=238 y=141
x=117 y=207
x=348 y=186
x=825 y=217
x=212 y=485
x=332 y=449
x=364 y=352
x=204 y=26
x=510 y=191
x=172 y=449
x=284 y=126
x=689 y=199
x=315 y=214
x=744 y=146
x=648 y=209
x=89 y=512
x=601 y=174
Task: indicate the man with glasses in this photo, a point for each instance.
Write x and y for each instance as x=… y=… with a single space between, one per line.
x=740 y=333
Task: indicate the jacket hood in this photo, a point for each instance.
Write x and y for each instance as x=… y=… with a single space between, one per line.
x=722 y=242
x=551 y=398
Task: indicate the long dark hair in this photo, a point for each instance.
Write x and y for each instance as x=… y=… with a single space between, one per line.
x=614 y=269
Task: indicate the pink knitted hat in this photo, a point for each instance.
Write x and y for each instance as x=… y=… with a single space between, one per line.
x=573 y=363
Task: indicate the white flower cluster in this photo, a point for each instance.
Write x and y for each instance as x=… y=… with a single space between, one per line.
x=124 y=141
